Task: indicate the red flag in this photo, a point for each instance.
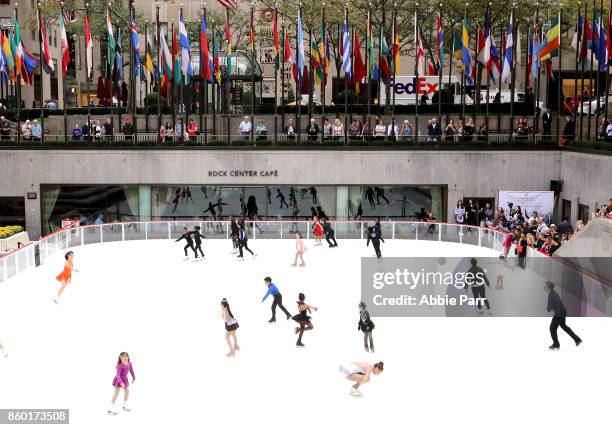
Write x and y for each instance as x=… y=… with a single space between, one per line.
x=480 y=47
x=358 y=66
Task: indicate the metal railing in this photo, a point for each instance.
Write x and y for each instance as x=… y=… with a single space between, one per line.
x=593 y=297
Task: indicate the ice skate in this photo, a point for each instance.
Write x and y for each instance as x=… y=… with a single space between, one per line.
x=577 y=343
x=126 y=408
x=480 y=312
x=293 y=265
x=554 y=347
x=300 y=345
x=367 y=349
x=490 y=312
x=185 y=258
x=56 y=300
x=253 y=256
x=373 y=350
x=355 y=392
x=112 y=412
x=272 y=321
x=303 y=265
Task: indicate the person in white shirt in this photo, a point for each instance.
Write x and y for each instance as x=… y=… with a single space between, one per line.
x=338 y=130
x=245 y=128
x=609 y=132
x=392 y=130
x=379 y=129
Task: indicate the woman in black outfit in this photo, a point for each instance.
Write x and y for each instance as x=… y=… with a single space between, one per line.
x=243 y=240
x=187 y=236
x=375 y=236
x=234 y=234
x=197 y=236
x=366 y=325
x=303 y=319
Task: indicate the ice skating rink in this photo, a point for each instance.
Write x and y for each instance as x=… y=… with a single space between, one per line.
x=140 y=297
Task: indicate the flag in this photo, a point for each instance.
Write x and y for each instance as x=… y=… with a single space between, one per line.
x=420 y=53
x=466 y=56
x=8 y=58
x=586 y=40
x=385 y=54
x=166 y=57
x=252 y=34
x=216 y=68
x=480 y=46
x=3 y=72
x=287 y=54
x=507 y=64
x=205 y=72
x=491 y=56
x=228 y=48
x=551 y=48
x=69 y=16
x=602 y=53
x=276 y=42
x=29 y=64
x=609 y=35
x=18 y=49
x=577 y=32
x=149 y=66
x=88 y=49
x=317 y=70
x=346 y=48
x=111 y=41
x=359 y=69
x=47 y=62
x=136 y=44
x=64 y=46
x=185 y=49
x=176 y=60
x=518 y=48
x=535 y=53
x=229 y=4
x=440 y=45
x=300 y=59
x=369 y=49
x=119 y=56
x=326 y=56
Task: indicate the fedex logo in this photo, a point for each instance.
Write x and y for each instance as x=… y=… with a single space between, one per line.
x=424 y=86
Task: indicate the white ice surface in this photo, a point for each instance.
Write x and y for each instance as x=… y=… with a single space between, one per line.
x=441 y=373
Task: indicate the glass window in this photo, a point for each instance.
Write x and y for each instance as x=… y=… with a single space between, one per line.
x=12 y=211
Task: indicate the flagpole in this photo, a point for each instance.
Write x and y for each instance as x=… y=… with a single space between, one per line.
x=499 y=89
x=539 y=77
x=395 y=66
x=346 y=75
x=536 y=60
x=18 y=91
x=512 y=72
x=577 y=56
x=253 y=95
x=463 y=76
x=598 y=80
x=87 y=77
x=476 y=80
x=203 y=76
x=488 y=35
x=282 y=103
x=368 y=68
x=324 y=67
x=450 y=73
x=41 y=55
x=228 y=87
x=311 y=76
x=133 y=73
x=183 y=84
x=298 y=97
x=146 y=104
x=213 y=86
x=380 y=40
x=609 y=54
x=112 y=86
x=159 y=71
x=527 y=71
x=63 y=81
x=582 y=70
x=560 y=80
x=591 y=76
x=440 y=63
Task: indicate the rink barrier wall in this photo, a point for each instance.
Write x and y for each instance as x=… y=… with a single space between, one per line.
x=592 y=294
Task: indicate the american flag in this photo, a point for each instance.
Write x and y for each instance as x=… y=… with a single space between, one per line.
x=69 y=16
x=229 y=4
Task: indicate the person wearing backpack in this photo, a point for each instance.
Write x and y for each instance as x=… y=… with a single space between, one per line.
x=366 y=325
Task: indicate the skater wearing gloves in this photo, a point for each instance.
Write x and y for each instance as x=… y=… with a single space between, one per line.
x=300 y=249
x=303 y=319
x=317 y=230
x=375 y=236
x=558 y=320
x=231 y=325
x=124 y=366
x=366 y=325
x=477 y=281
x=187 y=236
x=197 y=236
x=359 y=372
x=243 y=241
x=277 y=299
x=66 y=276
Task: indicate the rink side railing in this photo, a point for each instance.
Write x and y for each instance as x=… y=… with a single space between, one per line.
x=596 y=292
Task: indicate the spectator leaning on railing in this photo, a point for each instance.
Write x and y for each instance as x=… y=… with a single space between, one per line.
x=36 y=130
x=128 y=129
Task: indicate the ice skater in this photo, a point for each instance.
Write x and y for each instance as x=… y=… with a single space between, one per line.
x=330 y=234
x=197 y=237
x=243 y=240
x=281 y=197
x=300 y=249
x=558 y=320
x=303 y=319
x=231 y=325
x=277 y=299
x=313 y=193
x=187 y=236
x=359 y=373
x=370 y=196
x=404 y=204
x=317 y=230
x=375 y=236
x=380 y=194
x=366 y=325
x=479 y=279
x=294 y=216
x=124 y=366
x=292 y=199
x=234 y=230
x=66 y=276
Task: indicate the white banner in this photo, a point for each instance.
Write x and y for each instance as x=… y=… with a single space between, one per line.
x=542 y=202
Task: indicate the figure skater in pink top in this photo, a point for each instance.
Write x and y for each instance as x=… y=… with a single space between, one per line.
x=124 y=366
x=300 y=249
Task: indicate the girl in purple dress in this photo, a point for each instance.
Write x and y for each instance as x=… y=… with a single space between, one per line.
x=124 y=366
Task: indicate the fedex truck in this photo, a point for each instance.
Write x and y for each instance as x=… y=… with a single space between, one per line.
x=405 y=88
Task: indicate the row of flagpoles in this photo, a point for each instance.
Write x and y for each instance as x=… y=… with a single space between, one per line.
x=172 y=67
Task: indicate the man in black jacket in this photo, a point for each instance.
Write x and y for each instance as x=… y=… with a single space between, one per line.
x=313 y=130
x=128 y=129
x=330 y=234
x=375 y=236
x=546 y=122
x=558 y=320
x=234 y=234
x=433 y=130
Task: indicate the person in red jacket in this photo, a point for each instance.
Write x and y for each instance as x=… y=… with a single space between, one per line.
x=317 y=230
x=192 y=130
